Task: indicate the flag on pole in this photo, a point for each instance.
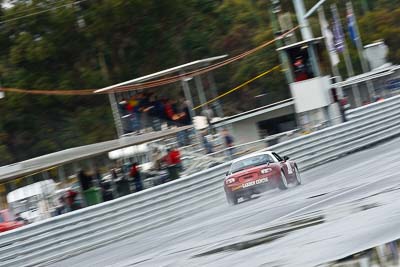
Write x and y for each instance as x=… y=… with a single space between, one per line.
x=351 y=22
x=338 y=36
x=356 y=38
x=329 y=42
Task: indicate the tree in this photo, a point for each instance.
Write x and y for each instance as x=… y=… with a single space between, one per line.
x=95 y=43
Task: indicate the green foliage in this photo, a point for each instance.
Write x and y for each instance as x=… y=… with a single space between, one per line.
x=386 y=27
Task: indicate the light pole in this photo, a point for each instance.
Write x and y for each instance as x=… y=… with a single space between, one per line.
x=116 y=114
x=306 y=34
x=282 y=55
x=213 y=87
x=188 y=95
x=200 y=92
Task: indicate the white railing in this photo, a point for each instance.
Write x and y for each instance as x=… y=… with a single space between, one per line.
x=86 y=229
x=371 y=108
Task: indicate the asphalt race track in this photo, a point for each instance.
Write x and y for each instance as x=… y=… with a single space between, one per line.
x=343 y=207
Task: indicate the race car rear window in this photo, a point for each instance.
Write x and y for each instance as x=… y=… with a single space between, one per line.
x=251 y=162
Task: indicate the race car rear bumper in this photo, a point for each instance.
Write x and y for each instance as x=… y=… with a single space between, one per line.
x=251 y=187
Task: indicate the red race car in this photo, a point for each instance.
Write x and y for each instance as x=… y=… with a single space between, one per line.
x=254 y=174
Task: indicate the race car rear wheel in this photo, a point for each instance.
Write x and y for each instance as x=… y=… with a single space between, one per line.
x=283 y=183
x=231 y=198
x=298 y=176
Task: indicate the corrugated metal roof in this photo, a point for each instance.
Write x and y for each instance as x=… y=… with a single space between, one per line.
x=254 y=112
x=190 y=65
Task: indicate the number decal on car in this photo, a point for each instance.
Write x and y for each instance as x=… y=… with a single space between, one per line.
x=259 y=181
x=290 y=170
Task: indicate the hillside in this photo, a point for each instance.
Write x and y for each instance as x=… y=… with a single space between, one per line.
x=93 y=43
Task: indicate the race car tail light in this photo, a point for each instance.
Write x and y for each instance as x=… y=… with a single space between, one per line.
x=230 y=180
x=265 y=171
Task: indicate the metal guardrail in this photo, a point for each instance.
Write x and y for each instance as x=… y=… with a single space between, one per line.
x=203 y=160
x=371 y=108
x=73 y=154
x=76 y=232
x=86 y=229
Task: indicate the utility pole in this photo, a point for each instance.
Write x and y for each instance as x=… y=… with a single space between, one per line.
x=274 y=11
x=360 y=49
x=347 y=60
x=111 y=96
x=323 y=23
x=188 y=95
x=116 y=114
x=200 y=92
x=213 y=87
x=306 y=34
x=322 y=20
x=276 y=29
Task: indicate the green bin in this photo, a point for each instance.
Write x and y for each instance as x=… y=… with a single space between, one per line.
x=92 y=196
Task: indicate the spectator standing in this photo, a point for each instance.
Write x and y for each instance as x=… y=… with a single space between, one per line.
x=206 y=142
x=157 y=158
x=70 y=200
x=114 y=174
x=135 y=113
x=228 y=140
x=125 y=116
x=122 y=107
x=91 y=193
x=85 y=180
x=122 y=183
x=130 y=106
x=98 y=178
x=155 y=113
x=107 y=191
x=169 y=112
x=174 y=163
x=144 y=108
x=184 y=119
x=62 y=206
x=300 y=70
x=135 y=174
x=209 y=114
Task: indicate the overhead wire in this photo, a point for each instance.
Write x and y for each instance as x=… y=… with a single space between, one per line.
x=197 y=72
x=238 y=87
x=25 y=10
x=42 y=11
x=49 y=92
x=154 y=83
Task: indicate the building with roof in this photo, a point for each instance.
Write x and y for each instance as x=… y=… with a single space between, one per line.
x=116 y=97
x=67 y=162
x=258 y=123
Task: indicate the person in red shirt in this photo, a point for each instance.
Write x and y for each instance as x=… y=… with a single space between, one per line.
x=174 y=157
x=173 y=160
x=135 y=174
x=70 y=200
x=169 y=112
